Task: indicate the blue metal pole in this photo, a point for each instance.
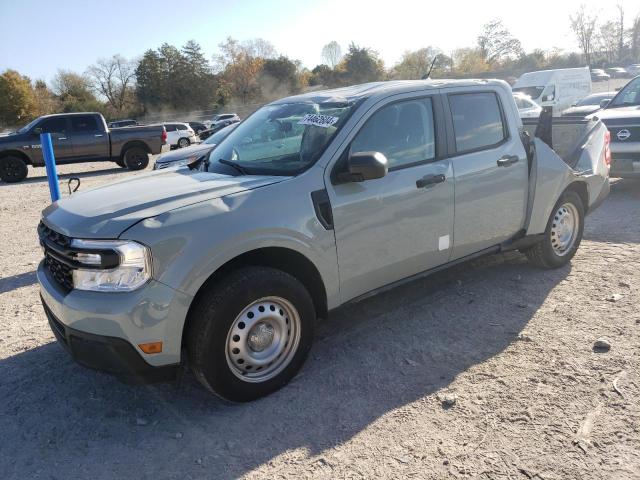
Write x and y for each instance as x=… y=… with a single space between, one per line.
x=50 y=164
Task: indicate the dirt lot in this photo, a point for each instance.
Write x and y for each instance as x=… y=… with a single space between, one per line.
x=512 y=343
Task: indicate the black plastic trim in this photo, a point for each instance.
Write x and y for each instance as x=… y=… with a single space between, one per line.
x=108 y=354
x=322 y=207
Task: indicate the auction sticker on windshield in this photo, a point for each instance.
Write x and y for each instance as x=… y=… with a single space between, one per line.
x=318 y=120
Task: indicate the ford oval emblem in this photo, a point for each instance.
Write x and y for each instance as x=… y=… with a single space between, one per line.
x=623 y=134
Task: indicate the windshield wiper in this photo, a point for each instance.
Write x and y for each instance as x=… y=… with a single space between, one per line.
x=234 y=165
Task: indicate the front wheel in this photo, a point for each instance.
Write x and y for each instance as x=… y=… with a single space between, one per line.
x=13 y=169
x=563 y=234
x=250 y=333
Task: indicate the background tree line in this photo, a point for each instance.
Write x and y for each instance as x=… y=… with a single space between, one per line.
x=245 y=74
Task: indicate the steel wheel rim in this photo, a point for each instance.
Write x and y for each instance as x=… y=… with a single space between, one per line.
x=11 y=168
x=263 y=339
x=564 y=229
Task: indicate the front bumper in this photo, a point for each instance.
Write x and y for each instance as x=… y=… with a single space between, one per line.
x=166 y=147
x=103 y=330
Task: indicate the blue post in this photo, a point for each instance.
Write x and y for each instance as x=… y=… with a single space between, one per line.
x=50 y=164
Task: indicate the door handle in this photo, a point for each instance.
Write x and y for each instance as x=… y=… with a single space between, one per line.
x=507 y=160
x=62 y=138
x=97 y=135
x=428 y=180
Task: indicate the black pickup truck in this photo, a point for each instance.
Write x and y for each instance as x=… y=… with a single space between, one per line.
x=78 y=137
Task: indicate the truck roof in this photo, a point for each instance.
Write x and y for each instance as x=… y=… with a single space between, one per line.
x=355 y=92
x=69 y=114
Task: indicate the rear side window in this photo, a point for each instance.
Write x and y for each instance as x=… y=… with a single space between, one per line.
x=170 y=128
x=182 y=127
x=84 y=123
x=404 y=132
x=54 y=125
x=477 y=121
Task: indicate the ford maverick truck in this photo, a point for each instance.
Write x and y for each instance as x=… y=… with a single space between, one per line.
x=316 y=200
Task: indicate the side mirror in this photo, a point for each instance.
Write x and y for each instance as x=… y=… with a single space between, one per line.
x=604 y=103
x=363 y=166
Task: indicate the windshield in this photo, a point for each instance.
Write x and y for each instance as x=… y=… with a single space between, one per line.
x=592 y=100
x=217 y=137
x=628 y=96
x=533 y=92
x=28 y=126
x=283 y=139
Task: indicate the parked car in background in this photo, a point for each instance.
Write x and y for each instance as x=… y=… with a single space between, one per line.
x=589 y=104
x=180 y=135
x=223 y=117
x=187 y=155
x=634 y=69
x=78 y=137
x=314 y=201
x=123 y=123
x=197 y=127
x=217 y=127
x=622 y=118
x=618 y=72
x=599 y=75
x=557 y=89
x=527 y=108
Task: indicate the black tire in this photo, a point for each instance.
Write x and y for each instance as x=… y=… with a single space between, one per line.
x=13 y=169
x=135 y=158
x=120 y=162
x=217 y=310
x=544 y=254
x=183 y=143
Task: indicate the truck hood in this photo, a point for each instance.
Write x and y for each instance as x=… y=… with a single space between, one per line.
x=107 y=211
x=187 y=152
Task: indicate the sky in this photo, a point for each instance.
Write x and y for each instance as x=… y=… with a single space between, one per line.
x=39 y=37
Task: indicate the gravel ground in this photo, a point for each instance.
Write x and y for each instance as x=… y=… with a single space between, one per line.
x=483 y=371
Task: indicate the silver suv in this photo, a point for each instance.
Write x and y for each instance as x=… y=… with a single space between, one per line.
x=313 y=201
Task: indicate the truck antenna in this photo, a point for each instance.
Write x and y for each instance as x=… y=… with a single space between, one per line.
x=433 y=62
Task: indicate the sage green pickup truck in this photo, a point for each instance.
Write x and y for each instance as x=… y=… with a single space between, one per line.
x=223 y=266
x=78 y=138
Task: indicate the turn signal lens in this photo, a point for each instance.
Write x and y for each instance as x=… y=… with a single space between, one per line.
x=153 y=347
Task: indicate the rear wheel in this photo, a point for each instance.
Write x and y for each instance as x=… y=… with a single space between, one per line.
x=250 y=334
x=183 y=142
x=563 y=234
x=13 y=169
x=135 y=158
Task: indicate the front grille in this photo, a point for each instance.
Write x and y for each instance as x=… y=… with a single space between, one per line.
x=56 y=258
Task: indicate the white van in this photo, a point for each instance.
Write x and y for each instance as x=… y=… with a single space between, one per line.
x=555 y=88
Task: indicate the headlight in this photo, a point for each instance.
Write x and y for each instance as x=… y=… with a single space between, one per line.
x=114 y=265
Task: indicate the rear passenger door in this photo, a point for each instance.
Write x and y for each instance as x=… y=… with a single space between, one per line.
x=172 y=133
x=490 y=169
x=90 y=141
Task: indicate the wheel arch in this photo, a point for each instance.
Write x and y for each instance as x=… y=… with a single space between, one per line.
x=282 y=258
x=583 y=192
x=16 y=153
x=133 y=143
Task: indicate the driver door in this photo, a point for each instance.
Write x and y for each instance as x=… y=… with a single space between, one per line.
x=58 y=127
x=399 y=225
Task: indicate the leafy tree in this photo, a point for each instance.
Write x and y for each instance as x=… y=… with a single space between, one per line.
x=496 y=43
x=240 y=65
x=323 y=75
x=17 y=102
x=608 y=40
x=150 y=84
x=583 y=25
x=415 y=65
x=634 y=34
x=331 y=54
x=279 y=77
x=469 y=61
x=74 y=92
x=361 y=65
x=45 y=101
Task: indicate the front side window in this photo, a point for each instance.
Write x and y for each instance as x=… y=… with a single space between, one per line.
x=182 y=127
x=404 y=132
x=533 y=92
x=477 y=120
x=628 y=96
x=283 y=139
x=84 y=123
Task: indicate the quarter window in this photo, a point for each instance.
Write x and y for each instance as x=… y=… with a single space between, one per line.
x=477 y=121
x=404 y=132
